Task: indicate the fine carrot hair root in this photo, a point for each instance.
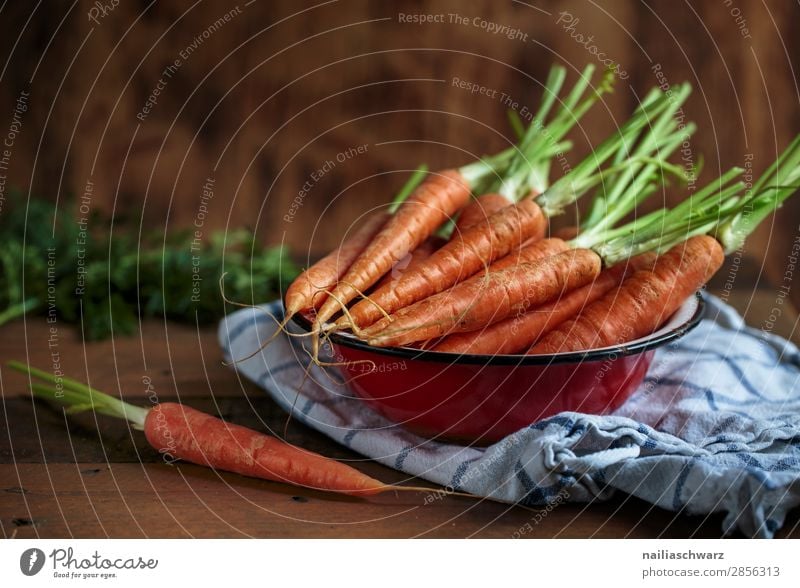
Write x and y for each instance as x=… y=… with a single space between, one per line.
x=366 y=299
x=280 y=329
x=304 y=292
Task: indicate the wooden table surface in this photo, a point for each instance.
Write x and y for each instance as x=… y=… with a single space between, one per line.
x=60 y=477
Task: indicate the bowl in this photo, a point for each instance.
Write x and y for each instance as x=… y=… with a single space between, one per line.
x=479 y=399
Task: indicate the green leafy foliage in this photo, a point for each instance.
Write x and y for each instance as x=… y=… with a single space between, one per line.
x=107 y=277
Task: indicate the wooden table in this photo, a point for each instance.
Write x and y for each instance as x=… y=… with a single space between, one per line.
x=60 y=477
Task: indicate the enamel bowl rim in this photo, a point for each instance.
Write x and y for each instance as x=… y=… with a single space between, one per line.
x=686 y=318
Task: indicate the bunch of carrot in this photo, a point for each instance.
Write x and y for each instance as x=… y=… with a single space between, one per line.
x=498 y=284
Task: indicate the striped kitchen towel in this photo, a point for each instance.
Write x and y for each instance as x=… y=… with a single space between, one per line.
x=715 y=427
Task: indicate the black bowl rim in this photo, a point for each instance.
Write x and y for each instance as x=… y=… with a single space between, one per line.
x=606 y=353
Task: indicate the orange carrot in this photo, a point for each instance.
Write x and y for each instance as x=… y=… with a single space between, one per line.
x=456 y=261
x=435 y=200
x=485 y=299
x=530 y=252
x=641 y=303
x=181 y=432
x=567 y=233
x=478 y=210
x=412 y=260
x=309 y=290
x=516 y=334
x=533 y=250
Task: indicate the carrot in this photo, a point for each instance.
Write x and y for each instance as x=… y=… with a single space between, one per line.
x=645 y=300
x=516 y=334
x=455 y=261
x=435 y=200
x=309 y=289
x=471 y=305
x=642 y=302
x=530 y=252
x=470 y=308
x=567 y=233
x=534 y=250
x=180 y=432
x=412 y=260
x=478 y=210
x=485 y=299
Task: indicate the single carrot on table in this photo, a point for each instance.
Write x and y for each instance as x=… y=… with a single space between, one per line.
x=180 y=432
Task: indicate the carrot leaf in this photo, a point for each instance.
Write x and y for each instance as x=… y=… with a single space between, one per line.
x=647 y=166
x=77 y=397
x=699 y=214
x=412 y=182
x=776 y=184
x=529 y=167
x=589 y=172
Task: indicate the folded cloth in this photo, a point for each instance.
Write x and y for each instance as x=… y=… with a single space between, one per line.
x=715 y=427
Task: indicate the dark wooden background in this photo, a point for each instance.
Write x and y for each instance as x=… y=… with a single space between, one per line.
x=267 y=98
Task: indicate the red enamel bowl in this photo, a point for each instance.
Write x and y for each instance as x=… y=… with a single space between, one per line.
x=480 y=399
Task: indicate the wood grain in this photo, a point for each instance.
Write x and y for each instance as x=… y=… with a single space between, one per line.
x=267 y=98
x=261 y=105
x=85 y=478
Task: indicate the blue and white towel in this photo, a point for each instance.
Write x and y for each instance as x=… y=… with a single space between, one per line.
x=715 y=427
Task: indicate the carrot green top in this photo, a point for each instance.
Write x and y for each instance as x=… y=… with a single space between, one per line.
x=777 y=183
x=724 y=208
x=77 y=397
x=646 y=167
x=637 y=150
x=525 y=166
